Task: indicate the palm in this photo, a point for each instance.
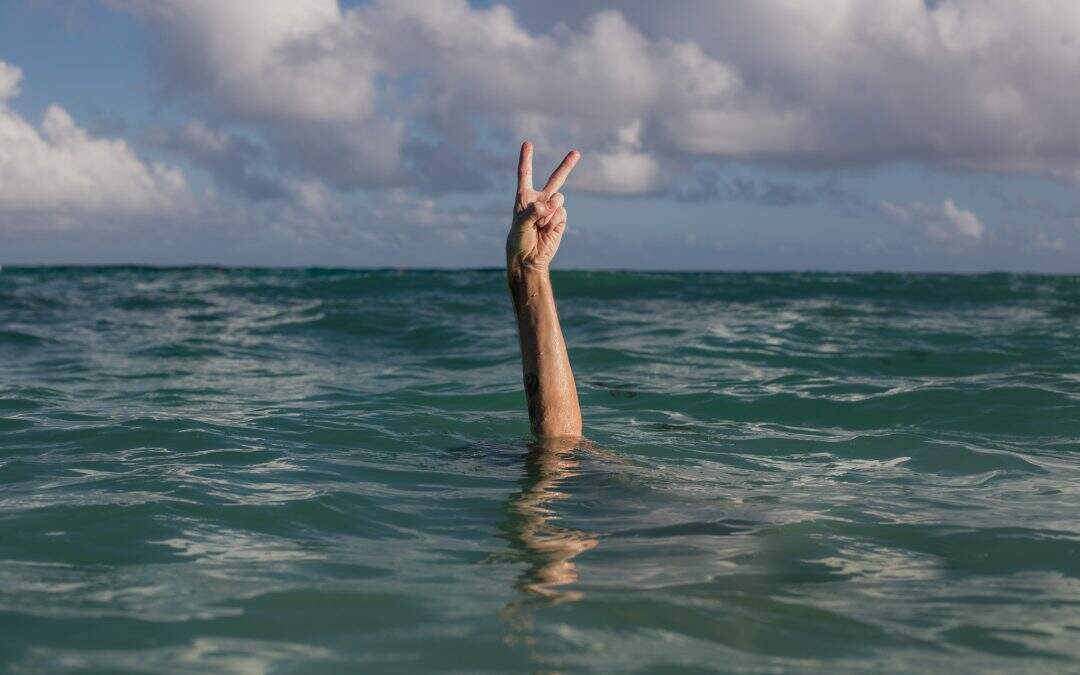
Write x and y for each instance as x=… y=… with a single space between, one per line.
x=539 y=215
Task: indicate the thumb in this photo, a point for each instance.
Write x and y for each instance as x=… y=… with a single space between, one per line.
x=535 y=212
x=540 y=210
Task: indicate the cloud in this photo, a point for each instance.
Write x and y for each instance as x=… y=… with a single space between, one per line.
x=964 y=222
x=263 y=59
x=944 y=222
x=230 y=158
x=977 y=84
x=1046 y=243
x=59 y=171
x=623 y=168
x=10 y=76
x=365 y=97
x=708 y=186
x=293 y=73
x=359 y=97
x=376 y=115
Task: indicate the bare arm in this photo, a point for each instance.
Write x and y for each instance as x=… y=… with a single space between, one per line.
x=537 y=229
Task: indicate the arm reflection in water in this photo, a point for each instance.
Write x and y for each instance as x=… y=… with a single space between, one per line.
x=549 y=548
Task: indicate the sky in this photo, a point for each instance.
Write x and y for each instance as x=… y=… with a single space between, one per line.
x=908 y=135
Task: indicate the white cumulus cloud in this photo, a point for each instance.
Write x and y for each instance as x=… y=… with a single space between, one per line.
x=368 y=116
x=943 y=222
x=963 y=221
x=358 y=97
x=337 y=93
x=58 y=169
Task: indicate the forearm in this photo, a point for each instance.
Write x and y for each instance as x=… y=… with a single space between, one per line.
x=549 y=381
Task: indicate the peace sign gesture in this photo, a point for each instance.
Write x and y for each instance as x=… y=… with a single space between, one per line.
x=539 y=216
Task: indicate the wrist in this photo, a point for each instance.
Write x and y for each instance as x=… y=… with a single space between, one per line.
x=527 y=282
x=520 y=270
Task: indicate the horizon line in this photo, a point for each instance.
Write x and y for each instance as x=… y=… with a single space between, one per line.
x=610 y=270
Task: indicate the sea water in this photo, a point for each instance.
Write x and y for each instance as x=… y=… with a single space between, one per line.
x=307 y=471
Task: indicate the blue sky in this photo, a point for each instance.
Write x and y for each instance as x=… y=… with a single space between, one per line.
x=845 y=134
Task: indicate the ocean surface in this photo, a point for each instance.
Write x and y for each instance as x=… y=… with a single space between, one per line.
x=319 y=471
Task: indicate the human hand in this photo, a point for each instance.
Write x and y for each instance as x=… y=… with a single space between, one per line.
x=539 y=216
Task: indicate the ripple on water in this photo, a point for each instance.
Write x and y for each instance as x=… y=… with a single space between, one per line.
x=216 y=470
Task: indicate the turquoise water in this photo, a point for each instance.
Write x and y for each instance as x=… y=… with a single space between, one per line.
x=251 y=471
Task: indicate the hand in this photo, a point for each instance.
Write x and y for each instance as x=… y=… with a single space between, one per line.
x=539 y=217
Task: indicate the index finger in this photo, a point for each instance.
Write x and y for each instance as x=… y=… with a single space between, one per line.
x=525 y=167
x=558 y=177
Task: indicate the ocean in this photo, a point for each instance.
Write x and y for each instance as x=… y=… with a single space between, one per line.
x=317 y=471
